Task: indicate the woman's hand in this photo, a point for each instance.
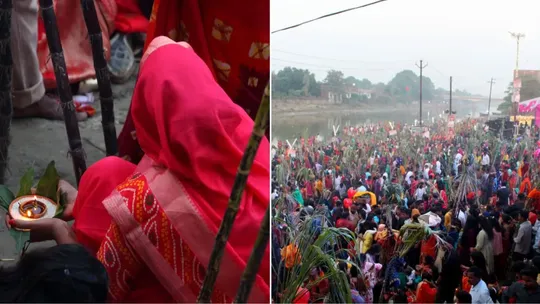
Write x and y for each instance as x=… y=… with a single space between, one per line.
x=71 y=197
x=46 y=230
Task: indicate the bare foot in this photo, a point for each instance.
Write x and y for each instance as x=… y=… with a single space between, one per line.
x=47 y=107
x=71 y=197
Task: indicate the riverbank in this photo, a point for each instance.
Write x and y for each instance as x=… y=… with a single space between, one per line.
x=282 y=110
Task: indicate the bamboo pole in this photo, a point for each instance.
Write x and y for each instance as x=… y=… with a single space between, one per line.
x=102 y=75
x=63 y=88
x=261 y=123
x=6 y=69
x=252 y=267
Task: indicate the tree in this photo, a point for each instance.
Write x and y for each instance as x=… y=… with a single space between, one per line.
x=335 y=79
x=294 y=82
x=506 y=106
x=402 y=86
x=361 y=84
x=405 y=87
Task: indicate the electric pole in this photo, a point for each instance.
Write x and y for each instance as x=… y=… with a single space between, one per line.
x=515 y=100
x=450 y=113
x=421 y=66
x=491 y=82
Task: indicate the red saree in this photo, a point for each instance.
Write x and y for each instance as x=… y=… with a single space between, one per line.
x=153 y=226
x=75 y=40
x=231 y=37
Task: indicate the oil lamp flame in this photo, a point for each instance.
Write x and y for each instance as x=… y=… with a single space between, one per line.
x=33 y=209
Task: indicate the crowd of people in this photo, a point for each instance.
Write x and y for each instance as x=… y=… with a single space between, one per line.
x=388 y=212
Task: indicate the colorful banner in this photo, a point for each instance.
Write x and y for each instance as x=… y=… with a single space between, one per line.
x=523 y=119
x=528 y=105
x=537 y=117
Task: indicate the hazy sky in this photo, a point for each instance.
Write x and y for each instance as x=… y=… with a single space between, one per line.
x=466 y=39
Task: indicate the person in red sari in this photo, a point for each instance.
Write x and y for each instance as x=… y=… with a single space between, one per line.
x=153 y=225
x=231 y=37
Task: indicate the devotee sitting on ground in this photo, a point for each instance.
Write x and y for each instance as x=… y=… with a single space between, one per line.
x=33 y=71
x=153 y=226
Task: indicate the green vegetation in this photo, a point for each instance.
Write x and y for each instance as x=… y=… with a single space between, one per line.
x=403 y=88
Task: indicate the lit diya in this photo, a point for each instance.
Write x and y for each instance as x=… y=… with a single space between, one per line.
x=32 y=207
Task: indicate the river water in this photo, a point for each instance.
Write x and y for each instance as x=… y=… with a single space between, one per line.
x=292 y=127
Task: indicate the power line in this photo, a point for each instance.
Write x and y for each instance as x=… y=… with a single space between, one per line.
x=328 y=15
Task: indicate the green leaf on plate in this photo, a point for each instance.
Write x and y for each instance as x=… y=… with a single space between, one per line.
x=27 y=180
x=6 y=197
x=20 y=238
x=48 y=184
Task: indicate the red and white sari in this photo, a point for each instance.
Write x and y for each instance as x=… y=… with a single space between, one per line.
x=153 y=225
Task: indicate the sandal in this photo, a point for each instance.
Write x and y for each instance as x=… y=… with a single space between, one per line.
x=122 y=62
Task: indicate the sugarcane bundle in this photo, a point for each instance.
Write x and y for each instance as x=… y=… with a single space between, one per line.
x=281 y=174
x=394 y=193
x=466 y=182
x=305 y=174
x=411 y=235
x=6 y=68
x=64 y=90
x=102 y=76
x=315 y=249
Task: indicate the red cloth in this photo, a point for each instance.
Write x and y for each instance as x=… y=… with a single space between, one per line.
x=425 y=293
x=429 y=247
x=203 y=157
x=74 y=39
x=344 y=223
x=231 y=37
x=302 y=296
x=532 y=218
x=129 y=18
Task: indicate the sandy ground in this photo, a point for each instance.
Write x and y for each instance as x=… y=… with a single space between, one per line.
x=35 y=142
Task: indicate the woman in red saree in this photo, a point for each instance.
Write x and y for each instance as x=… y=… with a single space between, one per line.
x=153 y=225
x=75 y=40
x=231 y=37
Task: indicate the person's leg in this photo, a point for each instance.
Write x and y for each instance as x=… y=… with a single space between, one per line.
x=91 y=217
x=27 y=80
x=29 y=99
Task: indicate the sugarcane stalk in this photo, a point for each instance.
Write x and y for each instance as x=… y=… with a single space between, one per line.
x=252 y=267
x=63 y=88
x=6 y=69
x=259 y=129
x=102 y=75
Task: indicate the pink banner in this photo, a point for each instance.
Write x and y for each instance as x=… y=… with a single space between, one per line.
x=529 y=105
x=537 y=117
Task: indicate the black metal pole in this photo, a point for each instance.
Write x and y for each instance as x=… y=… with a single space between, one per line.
x=63 y=88
x=6 y=69
x=450 y=95
x=102 y=75
x=421 y=66
x=489 y=101
x=421 y=123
